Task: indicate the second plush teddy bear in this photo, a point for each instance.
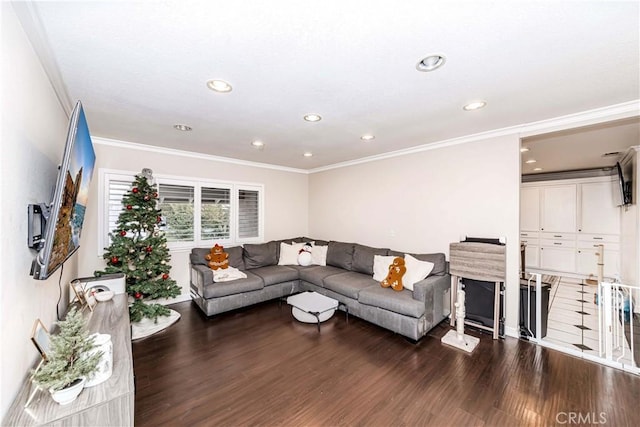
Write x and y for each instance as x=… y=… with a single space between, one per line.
x=217 y=258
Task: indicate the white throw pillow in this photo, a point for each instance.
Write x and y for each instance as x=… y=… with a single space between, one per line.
x=381 y=265
x=416 y=271
x=319 y=255
x=289 y=253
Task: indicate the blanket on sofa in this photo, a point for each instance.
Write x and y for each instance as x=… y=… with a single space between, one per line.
x=228 y=274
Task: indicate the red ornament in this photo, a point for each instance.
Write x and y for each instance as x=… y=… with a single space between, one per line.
x=146 y=198
x=114 y=260
x=123 y=233
x=148 y=248
x=165 y=276
x=159 y=218
x=155 y=195
x=138 y=295
x=135 y=190
x=129 y=207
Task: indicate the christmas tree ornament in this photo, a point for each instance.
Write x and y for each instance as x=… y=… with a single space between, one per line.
x=159 y=219
x=114 y=260
x=138 y=295
x=123 y=233
x=165 y=276
x=134 y=190
x=155 y=195
x=148 y=248
x=129 y=207
x=146 y=198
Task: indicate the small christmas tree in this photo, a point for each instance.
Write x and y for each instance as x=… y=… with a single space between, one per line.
x=68 y=358
x=139 y=250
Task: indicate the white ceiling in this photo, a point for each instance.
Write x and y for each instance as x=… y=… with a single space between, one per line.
x=141 y=67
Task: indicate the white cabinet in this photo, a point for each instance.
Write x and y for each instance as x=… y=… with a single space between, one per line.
x=530 y=209
x=558 y=258
x=562 y=222
x=598 y=213
x=559 y=208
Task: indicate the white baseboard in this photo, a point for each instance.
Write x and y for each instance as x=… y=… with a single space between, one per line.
x=511 y=332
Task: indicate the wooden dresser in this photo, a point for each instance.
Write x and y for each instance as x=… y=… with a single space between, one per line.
x=107 y=404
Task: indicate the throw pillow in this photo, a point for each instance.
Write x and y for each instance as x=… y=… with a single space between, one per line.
x=381 y=265
x=304 y=255
x=416 y=271
x=289 y=253
x=319 y=255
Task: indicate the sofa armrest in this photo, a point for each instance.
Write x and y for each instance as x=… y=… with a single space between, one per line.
x=434 y=292
x=200 y=276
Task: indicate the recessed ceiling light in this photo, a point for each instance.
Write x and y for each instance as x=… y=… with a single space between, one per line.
x=367 y=137
x=476 y=105
x=530 y=161
x=537 y=169
x=219 y=86
x=431 y=62
x=312 y=117
x=523 y=149
x=308 y=154
x=183 y=128
x=257 y=144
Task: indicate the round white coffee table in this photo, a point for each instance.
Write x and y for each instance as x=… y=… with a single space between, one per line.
x=312 y=307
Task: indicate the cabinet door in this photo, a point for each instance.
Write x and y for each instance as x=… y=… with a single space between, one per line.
x=558 y=259
x=559 y=208
x=531 y=256
x=598 y=214
x=587 y=260
x=530 y=208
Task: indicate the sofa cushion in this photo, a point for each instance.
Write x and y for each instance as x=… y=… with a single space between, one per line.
x=197 y=256
x=260 y=255
x=416 y=271
x=340 y=255
x=274 y=274
x=438 y=259
x=316 y=273
x=349 y=283
x=363 y=258
x=381 y=266
x=221 y=289
x=399 y=302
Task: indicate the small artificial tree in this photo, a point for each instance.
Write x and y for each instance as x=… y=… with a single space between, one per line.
x=139 y=250
x=68 y=358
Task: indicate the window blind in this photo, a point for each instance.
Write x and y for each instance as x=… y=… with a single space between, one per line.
x=215 y=210
x=117 y=190
x=248 y=214
x=176 y=203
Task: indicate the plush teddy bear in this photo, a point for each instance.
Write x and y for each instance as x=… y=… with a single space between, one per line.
x=217 y=258
x=394 y=278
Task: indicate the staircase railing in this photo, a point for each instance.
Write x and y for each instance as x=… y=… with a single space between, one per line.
x=617 y=328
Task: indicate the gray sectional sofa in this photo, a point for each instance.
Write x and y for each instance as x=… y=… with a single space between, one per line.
x=347 y=277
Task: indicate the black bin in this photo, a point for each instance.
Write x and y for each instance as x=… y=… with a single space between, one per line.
x=531 y=310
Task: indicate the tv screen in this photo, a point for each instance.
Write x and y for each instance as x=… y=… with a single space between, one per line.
x=66 y=212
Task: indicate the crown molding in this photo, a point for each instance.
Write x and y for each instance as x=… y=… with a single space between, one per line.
x=27 y=13
x=585 y=118
x=191 y=154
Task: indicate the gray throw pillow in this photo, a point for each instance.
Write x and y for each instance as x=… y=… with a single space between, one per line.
x=260 y=255
x=363 y=258
x=340 y=254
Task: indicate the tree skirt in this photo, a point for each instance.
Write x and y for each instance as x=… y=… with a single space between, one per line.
x=147 y=327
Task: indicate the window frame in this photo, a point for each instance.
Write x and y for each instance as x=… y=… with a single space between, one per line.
x=106 y=176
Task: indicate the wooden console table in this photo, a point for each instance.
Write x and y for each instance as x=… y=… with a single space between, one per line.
x=110 y=403
x=478 y=261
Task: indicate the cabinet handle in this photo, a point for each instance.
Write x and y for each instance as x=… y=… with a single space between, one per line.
x=557 y=235
x=579 y=229
x=558 y=244
x=597 y=238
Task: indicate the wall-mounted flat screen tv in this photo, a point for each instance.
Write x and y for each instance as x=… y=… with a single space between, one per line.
x=64 y=216
x=622 y=188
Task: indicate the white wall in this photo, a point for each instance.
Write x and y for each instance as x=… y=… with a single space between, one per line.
x=422 y=202
x=285 y=195
x=34 y=127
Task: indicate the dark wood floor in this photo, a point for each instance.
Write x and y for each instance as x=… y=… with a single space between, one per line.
x=260 y=367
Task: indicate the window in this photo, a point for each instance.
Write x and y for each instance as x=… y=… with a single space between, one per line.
x=194 y=212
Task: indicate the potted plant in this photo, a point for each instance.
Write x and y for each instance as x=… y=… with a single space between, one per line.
x=68 y=362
